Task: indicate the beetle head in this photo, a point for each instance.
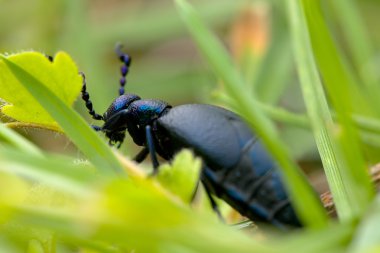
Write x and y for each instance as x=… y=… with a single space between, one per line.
x=119 y=104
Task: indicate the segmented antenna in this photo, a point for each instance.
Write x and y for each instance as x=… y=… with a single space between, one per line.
x=86 y=98
x=49 y=57
x=126 y=59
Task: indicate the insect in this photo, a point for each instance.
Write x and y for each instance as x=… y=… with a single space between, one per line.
x=236 y=166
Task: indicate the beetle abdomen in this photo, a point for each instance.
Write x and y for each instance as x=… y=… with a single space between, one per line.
x=254 y=187
x=237 y=168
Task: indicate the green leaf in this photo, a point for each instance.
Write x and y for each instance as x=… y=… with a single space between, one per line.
x=182 y=175
x=60 y=77
x=72 y=123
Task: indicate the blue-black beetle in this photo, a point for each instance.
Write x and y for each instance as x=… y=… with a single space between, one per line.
x=237 y=168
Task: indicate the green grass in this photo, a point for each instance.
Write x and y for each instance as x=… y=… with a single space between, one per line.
x=60 y=203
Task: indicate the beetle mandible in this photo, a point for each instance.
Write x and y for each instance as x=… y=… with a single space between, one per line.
x=236 y=166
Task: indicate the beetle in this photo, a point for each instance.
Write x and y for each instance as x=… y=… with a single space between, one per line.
x=236 y=166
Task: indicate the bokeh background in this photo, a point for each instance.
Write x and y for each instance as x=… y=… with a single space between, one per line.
x=166 y=64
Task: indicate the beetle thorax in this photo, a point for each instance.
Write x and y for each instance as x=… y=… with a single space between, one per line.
x=146 y=111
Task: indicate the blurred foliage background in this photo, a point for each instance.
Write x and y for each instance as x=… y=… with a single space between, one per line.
x=166 y=64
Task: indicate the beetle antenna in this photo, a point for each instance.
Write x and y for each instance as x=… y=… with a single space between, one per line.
x=49 y=57
x=126 y=60
x=86 y=98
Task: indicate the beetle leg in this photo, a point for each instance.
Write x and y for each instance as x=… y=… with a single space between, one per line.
x=96 y=128
x=141 y=155
x=213 y=203
x=152 y=150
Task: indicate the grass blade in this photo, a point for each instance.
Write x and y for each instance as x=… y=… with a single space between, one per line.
x=269 y=83
x=317 y=107
x=355 y=175
x=54 y=171
x=18 y=141
x=359 y=45
x=306 y=202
